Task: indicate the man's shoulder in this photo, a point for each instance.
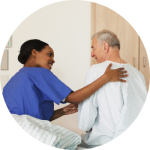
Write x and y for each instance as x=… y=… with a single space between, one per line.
x=99 y=67
x=134 y=71
x=97 y=70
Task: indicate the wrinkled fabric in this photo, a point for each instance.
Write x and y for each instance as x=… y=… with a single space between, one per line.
x=33 y=91
x=50 y=134
x=113 y=108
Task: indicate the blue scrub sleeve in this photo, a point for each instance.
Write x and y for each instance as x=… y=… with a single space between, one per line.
x=52 y=88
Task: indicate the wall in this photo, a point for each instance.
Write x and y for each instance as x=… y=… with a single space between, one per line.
x=66 y=27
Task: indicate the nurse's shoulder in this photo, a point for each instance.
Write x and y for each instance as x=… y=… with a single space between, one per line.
x=33 y=71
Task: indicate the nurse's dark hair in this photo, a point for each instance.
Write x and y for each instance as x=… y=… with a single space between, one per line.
x=27 y=47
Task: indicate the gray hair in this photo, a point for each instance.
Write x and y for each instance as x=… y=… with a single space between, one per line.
x=107 y=36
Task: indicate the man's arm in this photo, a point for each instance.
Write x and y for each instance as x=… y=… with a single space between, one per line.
x=87 y=112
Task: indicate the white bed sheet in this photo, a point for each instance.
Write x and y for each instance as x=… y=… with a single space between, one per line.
x=44 y=131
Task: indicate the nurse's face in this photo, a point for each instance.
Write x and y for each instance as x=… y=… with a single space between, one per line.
x=45 y=58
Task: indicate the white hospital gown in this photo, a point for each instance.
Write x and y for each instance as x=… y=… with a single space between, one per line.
x=113 y=108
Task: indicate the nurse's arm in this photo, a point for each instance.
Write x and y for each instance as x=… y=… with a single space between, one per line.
x=109 y=76
x=82 y=94
x=57 y=113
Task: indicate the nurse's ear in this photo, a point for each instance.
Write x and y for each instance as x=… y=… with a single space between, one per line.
x=34 y=53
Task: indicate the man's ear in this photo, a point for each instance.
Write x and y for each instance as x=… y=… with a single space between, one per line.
x=106 y=47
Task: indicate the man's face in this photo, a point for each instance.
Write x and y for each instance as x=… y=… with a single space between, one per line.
x=45 y=58
x=97 y=51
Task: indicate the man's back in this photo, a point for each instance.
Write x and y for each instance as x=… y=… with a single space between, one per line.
x=112 y=109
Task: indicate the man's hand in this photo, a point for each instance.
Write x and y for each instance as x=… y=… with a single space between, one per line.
x=70 y=109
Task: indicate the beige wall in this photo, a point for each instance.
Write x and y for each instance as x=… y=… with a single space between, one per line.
x=66 y=27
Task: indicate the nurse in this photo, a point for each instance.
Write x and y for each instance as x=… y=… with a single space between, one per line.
x=34 y=89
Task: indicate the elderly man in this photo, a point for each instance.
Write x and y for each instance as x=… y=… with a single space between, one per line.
x=113 y=108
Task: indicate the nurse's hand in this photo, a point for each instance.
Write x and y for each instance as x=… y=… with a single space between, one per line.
x=70 y=109
x=113 y=75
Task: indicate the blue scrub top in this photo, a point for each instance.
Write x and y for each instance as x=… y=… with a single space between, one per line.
x=32 y=91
